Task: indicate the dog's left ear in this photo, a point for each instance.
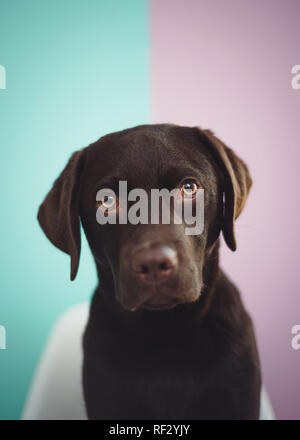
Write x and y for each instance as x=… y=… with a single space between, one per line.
x=59 y=213
x=237 y=182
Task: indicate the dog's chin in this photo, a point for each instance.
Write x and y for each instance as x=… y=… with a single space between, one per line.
x=159 y=306
x=151 y=306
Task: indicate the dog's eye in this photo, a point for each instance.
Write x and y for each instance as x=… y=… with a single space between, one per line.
x=189 y=188
x=108 y=202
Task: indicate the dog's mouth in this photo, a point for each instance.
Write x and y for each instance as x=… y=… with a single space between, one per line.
x=156 y=299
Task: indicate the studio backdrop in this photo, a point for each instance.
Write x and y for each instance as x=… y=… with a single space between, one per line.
x=72 y=71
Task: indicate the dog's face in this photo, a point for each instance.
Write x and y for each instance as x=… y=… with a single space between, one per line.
x=153 y=266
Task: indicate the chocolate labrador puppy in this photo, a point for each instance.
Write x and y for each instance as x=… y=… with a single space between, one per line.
x=168 y=336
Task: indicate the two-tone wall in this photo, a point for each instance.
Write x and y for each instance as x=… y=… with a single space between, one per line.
x=76 y=70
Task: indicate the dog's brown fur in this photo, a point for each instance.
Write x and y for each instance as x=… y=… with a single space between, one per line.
x=198 y=359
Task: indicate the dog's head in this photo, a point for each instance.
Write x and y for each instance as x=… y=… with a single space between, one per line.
x=153 y=265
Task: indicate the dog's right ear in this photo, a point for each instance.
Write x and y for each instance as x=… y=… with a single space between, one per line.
x=59 y=213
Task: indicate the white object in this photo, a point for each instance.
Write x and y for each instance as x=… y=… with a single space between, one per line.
x=56 y=390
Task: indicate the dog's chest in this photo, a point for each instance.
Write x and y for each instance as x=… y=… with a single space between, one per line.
x=152 y=383
x=153 y=389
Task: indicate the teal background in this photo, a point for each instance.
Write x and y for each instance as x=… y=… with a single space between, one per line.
x=76 y=70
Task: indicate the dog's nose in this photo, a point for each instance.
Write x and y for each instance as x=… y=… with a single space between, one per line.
x=155 y=265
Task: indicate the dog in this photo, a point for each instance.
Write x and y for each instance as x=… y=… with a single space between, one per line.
x=168 y=336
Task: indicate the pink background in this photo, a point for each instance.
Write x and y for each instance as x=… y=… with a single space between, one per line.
x=226 y=65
